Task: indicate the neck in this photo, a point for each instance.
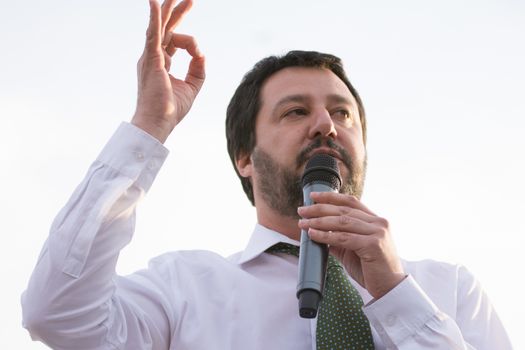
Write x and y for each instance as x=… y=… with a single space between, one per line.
x=277 y=222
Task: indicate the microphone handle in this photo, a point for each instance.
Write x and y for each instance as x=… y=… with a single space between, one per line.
x=313 y=259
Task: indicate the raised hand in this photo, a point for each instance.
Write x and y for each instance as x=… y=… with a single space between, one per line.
x=360 y=240
x=164 y=100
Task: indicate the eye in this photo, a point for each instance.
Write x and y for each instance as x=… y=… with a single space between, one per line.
x=342 y=114
x=296 y=112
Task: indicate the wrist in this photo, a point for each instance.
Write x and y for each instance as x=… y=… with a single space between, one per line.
x=159 y=130
x=388 y=283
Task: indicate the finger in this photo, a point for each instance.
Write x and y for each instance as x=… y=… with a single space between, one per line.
x=169 y=46
x=318 y=210
x=339 y=223
x=340 y=199
x=153 y=33
x=196 y=73
x=347 y=240
x=196 y=70
x=177 y=14
x=167 y=8
x=167 y=61
x=170 y=51
x=185 y=42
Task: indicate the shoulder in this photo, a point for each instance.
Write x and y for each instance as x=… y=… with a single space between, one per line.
x=189 y=270
x=434 y=269
x=194 y=261
x=431 y=272
x=447 y=284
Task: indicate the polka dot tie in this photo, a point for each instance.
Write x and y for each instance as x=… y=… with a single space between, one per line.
x=341 y=323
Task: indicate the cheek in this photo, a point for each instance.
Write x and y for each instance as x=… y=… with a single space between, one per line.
x=282 y=139
x=352 y=142
x=360 y=154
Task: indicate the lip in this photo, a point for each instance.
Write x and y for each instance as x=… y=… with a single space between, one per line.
x=324 y=150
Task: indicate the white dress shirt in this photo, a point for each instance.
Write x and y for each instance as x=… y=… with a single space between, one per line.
x=200 y=300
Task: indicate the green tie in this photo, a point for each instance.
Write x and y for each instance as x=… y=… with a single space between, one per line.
x=341 y=323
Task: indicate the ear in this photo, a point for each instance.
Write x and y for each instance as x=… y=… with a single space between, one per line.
x=244 y=165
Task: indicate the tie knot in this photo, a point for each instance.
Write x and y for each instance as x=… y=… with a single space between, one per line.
x=334 y=263
x=284 y=248
x=291 y=249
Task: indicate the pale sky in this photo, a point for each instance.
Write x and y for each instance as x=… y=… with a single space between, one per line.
x=442 y=82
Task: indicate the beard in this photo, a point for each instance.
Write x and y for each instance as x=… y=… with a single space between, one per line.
x=281 y=188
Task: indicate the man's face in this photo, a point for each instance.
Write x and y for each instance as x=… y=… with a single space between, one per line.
x=304 y=111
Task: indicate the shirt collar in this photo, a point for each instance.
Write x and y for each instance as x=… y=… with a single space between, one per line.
x=262 y=238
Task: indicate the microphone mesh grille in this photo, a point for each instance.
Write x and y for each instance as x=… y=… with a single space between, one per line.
x=322 y=167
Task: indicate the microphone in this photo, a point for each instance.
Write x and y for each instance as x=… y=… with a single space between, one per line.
x=321 y=174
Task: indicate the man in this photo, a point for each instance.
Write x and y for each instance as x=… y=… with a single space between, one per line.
x=285 y=111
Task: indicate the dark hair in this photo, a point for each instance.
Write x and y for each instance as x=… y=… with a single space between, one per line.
x=245 y=103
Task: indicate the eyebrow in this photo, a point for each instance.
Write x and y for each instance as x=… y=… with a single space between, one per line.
x=288 y=99
x=339 y=99
x=332 y=98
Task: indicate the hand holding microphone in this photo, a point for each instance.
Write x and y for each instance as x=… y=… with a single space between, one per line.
x=358 y=238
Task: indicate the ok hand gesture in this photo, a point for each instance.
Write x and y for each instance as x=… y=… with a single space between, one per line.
x=164 y=100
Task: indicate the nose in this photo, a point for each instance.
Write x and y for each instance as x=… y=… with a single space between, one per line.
x=322 y=125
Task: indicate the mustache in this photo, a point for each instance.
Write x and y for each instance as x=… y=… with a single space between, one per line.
x=303 y=156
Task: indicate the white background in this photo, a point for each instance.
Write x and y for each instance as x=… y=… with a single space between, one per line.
x=442 y=82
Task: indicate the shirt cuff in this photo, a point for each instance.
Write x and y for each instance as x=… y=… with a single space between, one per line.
x=135 y=154
x=401 y=313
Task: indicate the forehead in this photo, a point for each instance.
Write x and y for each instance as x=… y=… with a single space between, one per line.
x=312 y=82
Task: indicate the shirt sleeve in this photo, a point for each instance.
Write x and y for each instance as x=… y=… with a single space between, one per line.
x=70 y=301
x=406 y=318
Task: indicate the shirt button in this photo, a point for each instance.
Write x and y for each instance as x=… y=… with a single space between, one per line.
x=151 y=165
x=390 y=320
x=139 y=155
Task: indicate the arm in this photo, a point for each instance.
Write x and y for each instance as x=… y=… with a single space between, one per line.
x=407 y=318
x=71 y=300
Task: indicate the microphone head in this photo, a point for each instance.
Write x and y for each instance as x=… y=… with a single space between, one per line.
x=322 y=167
